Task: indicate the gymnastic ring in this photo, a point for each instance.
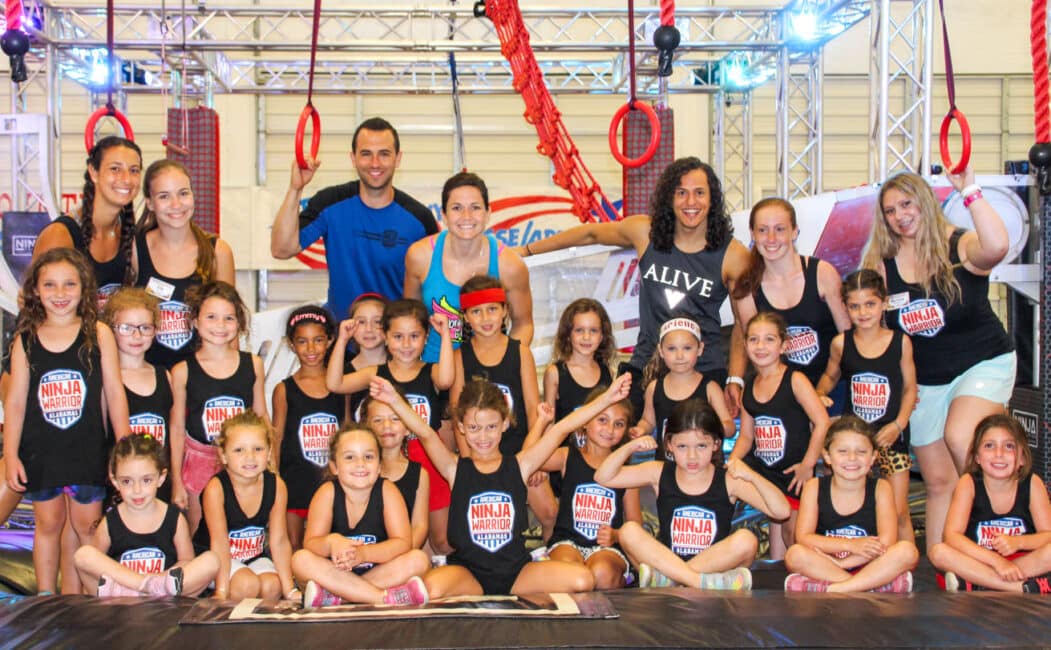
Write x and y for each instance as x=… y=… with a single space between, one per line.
x=965 y=135
x=105 y=111
x=315 y=138
x=655 y=135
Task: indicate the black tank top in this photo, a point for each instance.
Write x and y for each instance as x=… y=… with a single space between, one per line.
x=408 y=484
x=506 y=376
x=984 y=523
x=946 y=339
x=419 y=392
x=109 y=275
x=370 y=529
x=690 y=523
x=875 y=385
x=249 y=536
x=487 y=517
x=664 y=405
x=309 y=425
x=585 y=505
x=63 y=438
x=174 y=340
x=860 y=523
x=211 y=401
x=150 y=413
x=143 y=553
x=782 y=431
x=674 y=283
x=811 y=326
x=572 y=395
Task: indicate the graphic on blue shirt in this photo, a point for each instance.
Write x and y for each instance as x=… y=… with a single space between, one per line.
x=217 y=410
x=490 y=520
x=922 y=317
x=770 y=437
x=692 y=530
x=148 y=423
x=803 y=345
x=61 y=395
x=143 y=560
x=247 y=543
x=174 y=330
x=315 y=431
x=869 y=395
x=594 y=506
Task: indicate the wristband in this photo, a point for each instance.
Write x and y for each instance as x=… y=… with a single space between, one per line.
x=970 y=189
x=734 y=379
x=972 y=198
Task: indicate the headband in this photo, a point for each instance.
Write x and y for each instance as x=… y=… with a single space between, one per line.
x=312 y=316
x=370 y=295
x=684 y=324
x=481 y=297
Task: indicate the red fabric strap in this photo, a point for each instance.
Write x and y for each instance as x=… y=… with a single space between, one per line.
x=481 y=297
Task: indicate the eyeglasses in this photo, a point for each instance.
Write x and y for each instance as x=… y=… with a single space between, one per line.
x=127 y=329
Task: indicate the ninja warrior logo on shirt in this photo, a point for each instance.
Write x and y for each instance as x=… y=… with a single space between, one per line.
x=923 y=317
x=174 y=330
x=247 y=543
x=594 y=506
x=150 y=424
x=315 y=430
x=692 y=530
x=869 y=396
x=803 y=345
x=364 y=539
x=218 y=410
x=105 y=292
x=507 y=396
x=61 y=395
x=990 y=529
x=143 y=560
x=850 y=532
x=422 y=406
x=770 y=436
x=490 y=520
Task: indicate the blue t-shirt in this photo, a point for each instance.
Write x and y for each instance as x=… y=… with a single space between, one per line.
x=365 y=248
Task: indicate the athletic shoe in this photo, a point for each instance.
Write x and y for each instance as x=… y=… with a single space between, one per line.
x=1038 y=585
x=799 y=582
x=651 y=577
x=954 y=583
x=110 y=588
x=413 y=592
x=901 y=584
x=166 y=584
x=314 y=596
x=732 y=580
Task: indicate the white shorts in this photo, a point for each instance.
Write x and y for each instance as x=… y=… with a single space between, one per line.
x=258 y=566
x=588 y=551
x=992 y=379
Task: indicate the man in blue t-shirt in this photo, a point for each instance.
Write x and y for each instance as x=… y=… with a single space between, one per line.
x=367 y=224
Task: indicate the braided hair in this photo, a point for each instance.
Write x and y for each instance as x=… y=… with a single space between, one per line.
x=127 y=213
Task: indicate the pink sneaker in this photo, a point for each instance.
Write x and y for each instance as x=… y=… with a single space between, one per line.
x=413 y=592
x=110 y=588
x=314 y=596
x=165 y=584
x=799 y=582
x=901 y=584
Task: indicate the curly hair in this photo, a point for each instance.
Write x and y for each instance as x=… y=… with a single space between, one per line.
x=138 y=445
x=131 y=298
x=933 y=267
x=1018 y=434
x=127 y=213
x=205 y=267
x=662 y=206
x=753 y=277
x=33 y=313
x=563 y=347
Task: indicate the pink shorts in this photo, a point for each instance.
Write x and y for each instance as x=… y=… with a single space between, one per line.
x=199 y=464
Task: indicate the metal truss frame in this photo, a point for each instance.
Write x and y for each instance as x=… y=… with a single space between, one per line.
x=731 y=153
x=799 y=126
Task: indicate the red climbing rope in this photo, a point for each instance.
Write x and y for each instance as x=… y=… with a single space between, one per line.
x=109 y=109
x=655 y=123
x=954 y=113
x=668 y=12
x=13 y=14
x=1041 y=85
x=589 y=202
x=309 y=112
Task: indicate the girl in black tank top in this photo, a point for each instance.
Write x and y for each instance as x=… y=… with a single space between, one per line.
x=142 y=545
x=244 y=515
x=395 y=465
x=847 y=532
x=881 y=381
x=487 y=515
x=695 y=503
x=673 y=364
x=783 y=421
x=589 y=514
x=306 y=414
x=371 y=524
x=997 y=532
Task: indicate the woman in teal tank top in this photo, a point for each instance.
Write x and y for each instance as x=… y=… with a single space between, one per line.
x=436 y=266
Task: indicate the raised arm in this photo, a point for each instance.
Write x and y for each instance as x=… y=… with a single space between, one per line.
x=630 y=232
x=335 y=380
x=443 y=373
x=612 y=472
x=985 y=246
x=284 y=236
x=444 y=460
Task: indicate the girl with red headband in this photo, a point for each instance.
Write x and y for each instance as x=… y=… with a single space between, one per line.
x=487 y=353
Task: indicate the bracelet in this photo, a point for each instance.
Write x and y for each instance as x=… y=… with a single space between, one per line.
x=968 y=200
x=734 y=379
x=900 y=430
x=970 y=189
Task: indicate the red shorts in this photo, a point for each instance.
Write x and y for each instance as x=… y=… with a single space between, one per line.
x=793 y=502
x=441 y=495
x=299 y=512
